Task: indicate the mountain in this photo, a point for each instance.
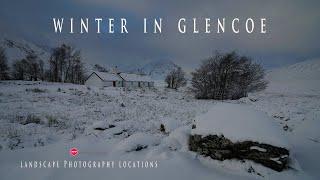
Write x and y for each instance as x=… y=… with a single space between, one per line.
x=17 y=49
x=158 y=69
x=299 y=78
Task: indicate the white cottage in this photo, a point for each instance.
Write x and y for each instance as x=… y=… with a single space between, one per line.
x=103 y=79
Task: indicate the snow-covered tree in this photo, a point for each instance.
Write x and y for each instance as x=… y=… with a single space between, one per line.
x=176 y=78
x=227 y=76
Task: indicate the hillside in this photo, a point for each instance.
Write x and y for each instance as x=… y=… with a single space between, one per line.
x=158 y=69
x=17 y=49
x=299 y=78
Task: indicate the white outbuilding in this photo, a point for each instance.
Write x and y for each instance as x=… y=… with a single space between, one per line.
x=105 y=79
x=136 y=80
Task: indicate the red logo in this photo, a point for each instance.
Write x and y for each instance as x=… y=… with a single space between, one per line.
x=74 y=152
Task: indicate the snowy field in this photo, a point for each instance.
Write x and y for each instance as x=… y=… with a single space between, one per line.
x=42 y=121
x=64 y=112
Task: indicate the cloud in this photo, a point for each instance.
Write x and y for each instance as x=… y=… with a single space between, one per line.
x=292 y=29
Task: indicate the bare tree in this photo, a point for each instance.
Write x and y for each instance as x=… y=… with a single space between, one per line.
x=29 y=68
x=66 y=65
x=4 y=68
x=41 y=70
x=176 y=78
x=57 y=62
x=100 y=68
x=76 y=71
x=19 y=70
x=34 y=67
x=227 y=76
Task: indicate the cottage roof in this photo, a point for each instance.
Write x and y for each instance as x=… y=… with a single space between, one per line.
x=107 y=76
x=135 y=77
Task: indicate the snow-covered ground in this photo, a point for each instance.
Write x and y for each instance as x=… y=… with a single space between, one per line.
x=42 y=121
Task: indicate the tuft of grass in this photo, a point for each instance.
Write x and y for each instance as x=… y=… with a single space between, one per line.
x=52 y=121
x=12 y=133
x=32 y=119
x=36 y=90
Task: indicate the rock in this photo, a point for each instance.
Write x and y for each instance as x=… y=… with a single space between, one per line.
x=121 y=132
x=100 y=129
x=111 y=126
x=162 y=128
x=103 y=125
x=140 y=147
x=31 y=119
x=221 y=148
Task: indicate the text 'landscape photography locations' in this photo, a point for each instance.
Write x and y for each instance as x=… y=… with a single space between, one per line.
x=162 y=90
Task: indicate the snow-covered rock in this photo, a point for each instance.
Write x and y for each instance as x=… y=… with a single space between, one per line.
x=178 y=139
x=239 y=122
x=237 y=131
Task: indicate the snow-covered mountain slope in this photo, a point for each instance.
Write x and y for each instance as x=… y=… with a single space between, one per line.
x=299 y=78
x=17 y=49
x=158 y=69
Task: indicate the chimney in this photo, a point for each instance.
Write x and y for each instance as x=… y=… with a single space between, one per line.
x=115 y=70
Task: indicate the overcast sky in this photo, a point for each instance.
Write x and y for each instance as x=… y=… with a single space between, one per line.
x=292 y=29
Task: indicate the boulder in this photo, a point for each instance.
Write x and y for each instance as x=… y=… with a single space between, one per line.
x=221 y=148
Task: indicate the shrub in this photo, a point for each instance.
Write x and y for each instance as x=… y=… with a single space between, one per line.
x=14 y=138
x=227 y=76
x=176 y=78
x=52 y=121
